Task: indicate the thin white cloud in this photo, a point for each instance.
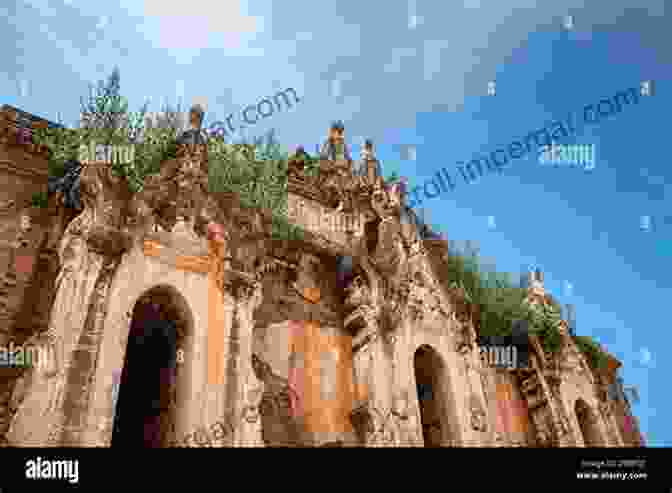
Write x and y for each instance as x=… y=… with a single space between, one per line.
x=174 y=25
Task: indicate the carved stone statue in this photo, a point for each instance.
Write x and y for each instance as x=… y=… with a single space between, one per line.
x=367 y=151
x=195 y=135
x=478 y=416
x=275 y=407
x=357 y=293
x=544 y=435
x=336 y=166
x=335 y=149
x=369 y=170
x=297 y=163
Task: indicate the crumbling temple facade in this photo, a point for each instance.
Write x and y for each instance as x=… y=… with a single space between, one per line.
x=270 y=344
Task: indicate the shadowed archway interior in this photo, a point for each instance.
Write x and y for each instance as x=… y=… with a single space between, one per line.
x=429 y=377
x=146 y=407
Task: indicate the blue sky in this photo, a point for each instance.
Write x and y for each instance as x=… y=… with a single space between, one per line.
x=417 y=74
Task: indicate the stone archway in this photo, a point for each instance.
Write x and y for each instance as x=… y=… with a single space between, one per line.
x=430 y=379
x=588 y=424
x=152 y=384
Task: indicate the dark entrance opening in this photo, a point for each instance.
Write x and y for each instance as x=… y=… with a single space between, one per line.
x=147 y=389
x=428 y=369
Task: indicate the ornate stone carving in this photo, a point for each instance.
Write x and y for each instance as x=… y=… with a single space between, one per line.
x=358 y=293
x=542 y=428
x=250 y=412
x=386 y=201
x=464 y=338
x=336 y=176
x=382 y=434
x=361 y=312
x=478 y=416
x=561 y=426
x=395 y=284
x=276 y=402
x=418 y=296
x=102 y=222
x=606 y=409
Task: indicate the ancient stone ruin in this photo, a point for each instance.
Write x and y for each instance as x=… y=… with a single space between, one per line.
x=180 y=321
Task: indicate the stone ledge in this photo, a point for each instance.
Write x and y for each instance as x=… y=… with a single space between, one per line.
x=199 y=264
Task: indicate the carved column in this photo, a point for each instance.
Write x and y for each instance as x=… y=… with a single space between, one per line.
x=557 y=420
x=90 y=253
x=373 y=356
x=248 y=295
x=246 y=389
x=478 y=411
x=496 y=438
x=606 y=411
x=84 y=362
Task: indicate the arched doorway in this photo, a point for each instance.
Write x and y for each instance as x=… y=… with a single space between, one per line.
x=431 y=387
x=592 y=436
x=148 y=390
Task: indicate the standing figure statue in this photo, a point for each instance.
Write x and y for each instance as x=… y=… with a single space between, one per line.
x=336 y=164
x=195 y=135
x=370 y=165
x=335 y=149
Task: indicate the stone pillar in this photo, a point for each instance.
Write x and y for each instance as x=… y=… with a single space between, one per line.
x=83 y=360
x=250 y=389
x=559 y=417
x=379 y=391
x=478 y=410
x=614 y=437
x=44 y=398
x=221 y=352
x=374 y=374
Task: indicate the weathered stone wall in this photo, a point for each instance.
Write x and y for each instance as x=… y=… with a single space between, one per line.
x=23 y=172
x=21 y=175
x=275 y=345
